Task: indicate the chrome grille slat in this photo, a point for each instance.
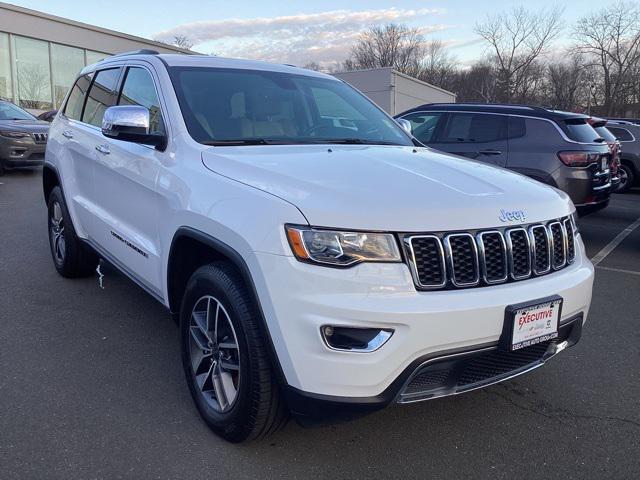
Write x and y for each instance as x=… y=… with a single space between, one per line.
x=427 y=249
x=519 y=253
x=570 y=240
x=462 y=257
x=558 y=245
x=452 y=260
x=492 y=251
x=540 y=249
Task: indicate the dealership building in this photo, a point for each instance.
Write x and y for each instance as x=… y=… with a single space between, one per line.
x=41 y=54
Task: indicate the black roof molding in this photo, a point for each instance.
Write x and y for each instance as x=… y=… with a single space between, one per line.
x=142 y=51
x=508 y=109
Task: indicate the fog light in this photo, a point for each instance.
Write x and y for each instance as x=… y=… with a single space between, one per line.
x=349 y=339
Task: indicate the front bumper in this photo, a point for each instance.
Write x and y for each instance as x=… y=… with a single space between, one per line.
x=21 y=152
x=434 y=376
x=425 y=324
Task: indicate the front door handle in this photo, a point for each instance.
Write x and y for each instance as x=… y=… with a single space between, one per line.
x=490 y=152
x=104 y=149
x=67 y=134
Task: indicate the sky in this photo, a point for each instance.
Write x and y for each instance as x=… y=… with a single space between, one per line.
x=299 y=32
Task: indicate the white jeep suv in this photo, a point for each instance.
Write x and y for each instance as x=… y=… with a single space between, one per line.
x=319 y=259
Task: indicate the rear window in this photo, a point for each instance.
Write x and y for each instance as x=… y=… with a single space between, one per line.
x=605 y=133
x=579 y=130
x=621 y=134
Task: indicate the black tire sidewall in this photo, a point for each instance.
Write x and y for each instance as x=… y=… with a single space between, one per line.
x=56 y=197
x=630 y=178
x=214 y=282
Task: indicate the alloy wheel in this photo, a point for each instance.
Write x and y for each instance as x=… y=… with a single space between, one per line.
x=214 y=353
x=58 y=243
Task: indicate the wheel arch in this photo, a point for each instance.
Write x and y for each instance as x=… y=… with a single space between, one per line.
x=192 y=248
x=50 y=179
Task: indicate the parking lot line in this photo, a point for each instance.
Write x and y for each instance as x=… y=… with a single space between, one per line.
x=618 y=270
x=610 y=247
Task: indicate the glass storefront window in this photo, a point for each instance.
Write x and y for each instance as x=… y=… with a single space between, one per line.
x=33 y=73
x=5 y=68
x=94 y=57
x=66 y=63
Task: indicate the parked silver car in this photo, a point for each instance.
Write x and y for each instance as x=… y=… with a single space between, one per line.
x=23 y=138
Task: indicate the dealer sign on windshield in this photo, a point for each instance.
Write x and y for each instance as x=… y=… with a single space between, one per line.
x=536 y=323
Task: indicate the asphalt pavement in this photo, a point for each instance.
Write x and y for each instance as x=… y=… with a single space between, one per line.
x=91 y=385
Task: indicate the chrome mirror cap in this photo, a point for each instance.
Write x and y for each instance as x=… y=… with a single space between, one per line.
x=405 y=124
x=125 y=118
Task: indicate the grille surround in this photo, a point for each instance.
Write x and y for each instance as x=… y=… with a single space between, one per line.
x=504 y=244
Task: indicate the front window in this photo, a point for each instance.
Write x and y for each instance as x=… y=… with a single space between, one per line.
x=8 y=111
x=239 y=107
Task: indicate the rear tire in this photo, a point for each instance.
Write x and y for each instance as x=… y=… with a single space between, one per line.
x=70 y=257
x=2 y=170
x=630 y=178
x=225 y=358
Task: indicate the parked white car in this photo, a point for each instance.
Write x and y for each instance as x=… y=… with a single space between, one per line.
x=317 y=269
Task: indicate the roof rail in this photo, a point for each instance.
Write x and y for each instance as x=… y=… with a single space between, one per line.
x=509 y=105
x=142 y=51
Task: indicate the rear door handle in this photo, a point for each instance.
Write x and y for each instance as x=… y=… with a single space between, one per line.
x=490 y=152
x=67 y=134
x=104 y=149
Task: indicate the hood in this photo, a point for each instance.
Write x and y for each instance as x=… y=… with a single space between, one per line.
x=31 y=126
x=388 y=188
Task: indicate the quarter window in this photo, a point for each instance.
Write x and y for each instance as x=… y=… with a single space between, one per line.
x=621 y=134
x=139 y=89
x=474 y=128
x=101 y=96
x=423 y=125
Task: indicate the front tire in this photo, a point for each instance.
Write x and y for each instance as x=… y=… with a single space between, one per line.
x=70 y=257
x=225 y=358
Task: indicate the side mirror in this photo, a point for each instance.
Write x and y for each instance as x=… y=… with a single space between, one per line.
x=130 y=123
x=405 y=124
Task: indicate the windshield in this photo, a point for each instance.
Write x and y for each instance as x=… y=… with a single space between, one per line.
x=240 y=107
x=9 y=111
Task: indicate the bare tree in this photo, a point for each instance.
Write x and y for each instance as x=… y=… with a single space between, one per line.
x=392 y=45
x=438 y=66
x=610 y=38
x=516 y=40
x=182 y=41
x=567 y=83
x=313 y=66
x=34 y=86
x=476 y=84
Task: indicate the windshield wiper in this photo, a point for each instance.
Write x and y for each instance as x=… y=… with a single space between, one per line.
x=238 y=141
x=355 y=141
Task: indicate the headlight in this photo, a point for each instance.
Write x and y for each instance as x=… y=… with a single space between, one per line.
x=341 y=248
x=12 y=134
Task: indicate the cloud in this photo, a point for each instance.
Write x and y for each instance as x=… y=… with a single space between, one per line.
x=324 y=37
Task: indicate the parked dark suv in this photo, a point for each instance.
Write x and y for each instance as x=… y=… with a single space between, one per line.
x=23 y=138
x=629 y=136
x=558 y=148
